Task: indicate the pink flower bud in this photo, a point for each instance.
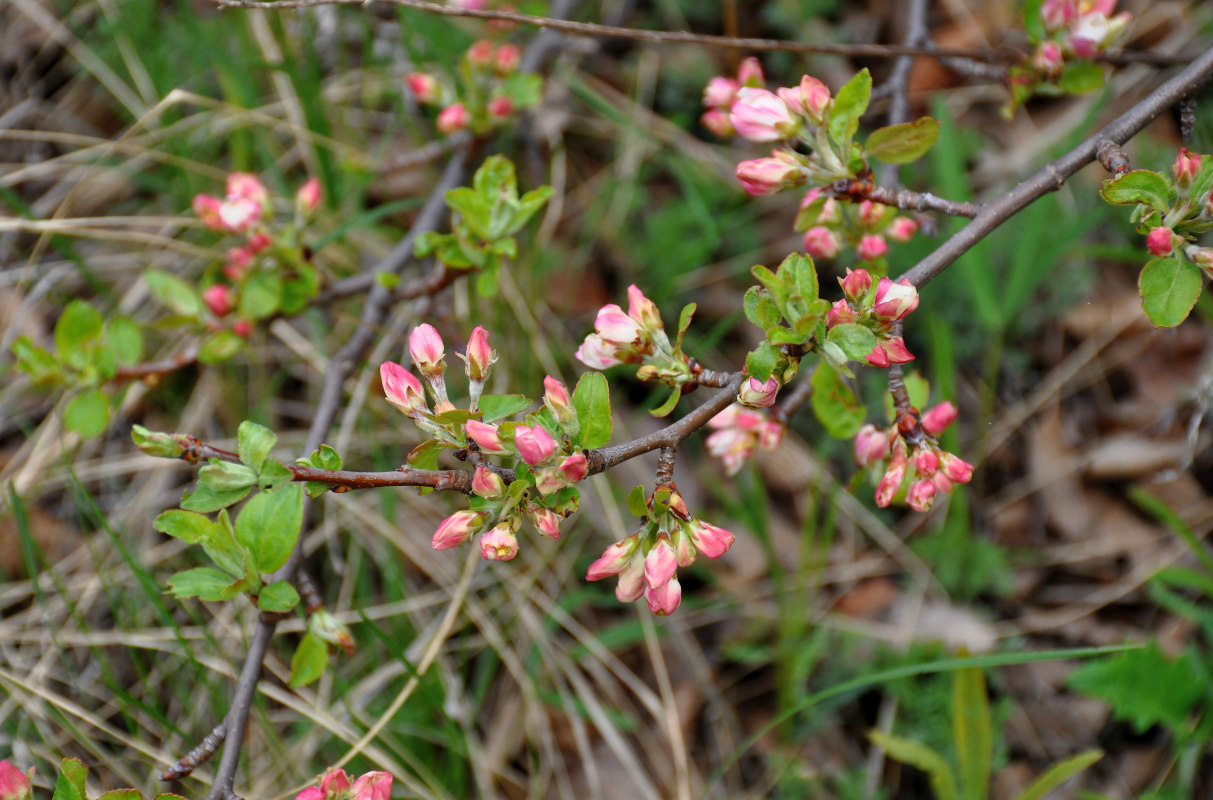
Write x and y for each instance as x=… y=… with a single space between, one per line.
x=766 y=175
x=749 y=72
x=935 y=419
x=375 y=785
x=246 y=186
x=1048 y=58
x=1160 y=241
x=710 y=540
x=334 y=784
x=902 y=229
x=256 y=243
x=506 y=59
x=870 y=213
x=957 y=470
x=458 y=528
x=660 y=564
x=238 y=261
x=871 y=247
x=242 y=328
x=856 y=284
x=311 y=793
x=921 y=495
x=613 y=560
x=480 y=54
x=821 y=242
x=664 y=599
x=480 y=357
x=926 y=462
x=426 y=350
x=402 y=389
x=546 y=522
x=500 y=543
x=815 y=97
x=615 y=326
x=534 y=444
x=761 y=116
x=889 y=351
x=574 y=468
x=487 y=484
x=207 y=208
x=1186 y=167
x=871 y=445
x=549 y=480
x=894 y=301
x=218 y=299
x=839 y=314
x=1057 y=14
x=770 y=435
x=239 y=215
x=758 y=394
x=307 y=199
x=484 y=435
x=454 y=117
x=720 y=93
x=15 y=784
x=890 y=484
x=500 y=108
x=425 y=87
x=596 y=353
x=717 y=123
x=1202 y=257
x=643 y=310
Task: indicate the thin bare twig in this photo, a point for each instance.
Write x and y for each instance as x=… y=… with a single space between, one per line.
x=856 y=189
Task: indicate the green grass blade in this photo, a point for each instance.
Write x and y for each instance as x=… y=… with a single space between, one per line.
x=1059 y=773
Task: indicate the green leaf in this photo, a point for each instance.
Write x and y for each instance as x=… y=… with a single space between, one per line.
x=971 y=732
x=1202 y=184
x=799 y=273
x=665 y=408
x=124 y=337
x=761 y=361
x=854 y=340
x=279 y=597
x=273 y=474
x=216 y=539
x=87 y=413
x=425 y=455
x=836 y=406
x=72 y=775
x=1139 y=186
x=1059 y=773
x=224 y=476
x=760 y=309
x=1033 y=24
x=528 y=206
x=205 y=583
x=1144 y=687
x=901 y=144
x=1169 y=288
x=849 y=105
x=636 y=502
x=207 y=500
x=918 y=755
x=42 y=367
x=253 y=443
x=1080 y=77
x=269 y=526
x=219 y=347
x=121 y=794
x=772 y=283
x=173 y=293
x=307 y=665
x=500 y=406
x=326 y=458
x=592 y=402
x=523 y=89
x=78 y=328
x=260 y=295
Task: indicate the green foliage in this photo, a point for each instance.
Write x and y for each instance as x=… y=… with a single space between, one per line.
x=1144 y=687
x=71 y=785
x=592 y=402
x=1169 y=288
x=1139 y=186
x=836 y=406
x=849 y=104
x=901 y=144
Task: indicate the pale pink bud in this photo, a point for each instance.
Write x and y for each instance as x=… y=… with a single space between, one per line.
x=770 y=435
x=830 y=212
x=894 y=301
x=480 y=356
x=506 y=58
x=870 y=213
x=548 y=480
x=758 y=394
x=307 y=199
x=664 y=599
x=821 y=242
x=717 y=122
x=426 y=350
x=425 y=87
x=749 y=72
x=556 y=398
x=871 y=445
x=375 y=785
x=1057 y=14
x=935 y=419
x=926 y=462
x=247 y=186
x=596 y=353
x=458 y=528
x=856 y=284
x=1160 y=241
x=402 y=389
x=487 y=484
x=815 y=96
x=14 y=784
x=871 y=247
x=206 y=207
x=643 y=310
x=766 y=175
x=311 y=793
x=761 y=116
x=454 y=117
x=613 y=560
x=957 y=469
x=710 y=540
x=574 y=467
x=902 y=229
x=242 y=328
x=334 y=784
x=239 y=214
x=839 y=314
x=660 y=564
x=921 y=495
x=500 y=108
x=480 y=54
x=1186 y=166
x=256 y=243
x=720 y=93
x=631 y=580
x=484 y=435
x=534 y=444
x=500 y=543
x=1048 y=58
x=893 y=475
x=218 y=299
x=684 y=548
x=615 y=326
x=1202 y=257
x=545 y=521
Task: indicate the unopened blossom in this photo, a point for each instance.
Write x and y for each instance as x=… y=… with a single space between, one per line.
x=458 y=528
x=821 y=242
x=238 y=261
x=484 y=435
x=737 y=432
x=664 y=599
x=1048 y=58
x=335 y=783
x=329 y=629
x=902 y=229
x=1160 y=241
x=487 y=484
x=890 y=483
x=426 y=351
x=894 y=301
x=889 y=350
x=500 y=108
x=375 y=785
x=921 y=495
x=613 y=325
x=402 y=389
x=935 y=419
x=926 y=461
x=660 y=563
x=957 y=469
x=643 y=310
x=574 y=468
x=767 y=175
x=218 y=299
x=614 y=559
x=307 y=199
x=717 y=122
x=544 y=520
x=480 y=54
x=856 y=284
x=871 y=247
x=749 y=72
x=454 y=117
x=871 y=445
x=242 y=328
x=762 y=116
x=500 y=543
x=758 y=394
x=257 y=242
x=720 y=92
x=425 y=87
x=840 y=313
x=870 y=213
x=710 y=540
x=1186 y=167
x=556 y=399
x=534 y=444
x=506 y=58
x=15 y=784
x=597 y=353
x=814 y=98
x=480 y=356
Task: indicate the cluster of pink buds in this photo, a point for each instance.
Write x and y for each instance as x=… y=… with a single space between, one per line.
x=1176 y=231
x=1080 y=28
x=336 y=785
x=648 y=560
x=829 y=226
x=876 y=307
x=721 y=92
x=635 y=337
x=15 y=784
x=489 y=106
x=908 y=454
x=428 y=354
x=738 y=431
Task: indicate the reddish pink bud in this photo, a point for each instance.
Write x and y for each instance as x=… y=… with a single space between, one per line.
x=871 y=247
x=246 y=186
x=615 y=326
x=480 y=357
x=710 y=540
x=717 y=122
x=500 y=108
x=311 y=793
x=821 y=242
x=613 y=560
x=839 y=314
x=556 y=398
x=458 y=528
x=770 y=435
x=597 y=353
x=480 y=54
x=307 y=199
x=242 y=328
x=761 y=116
x=1186 y=167
x=238 y=261
x=856 y=284
x=660 y=564
x=506 y=59
x=15 y=784
x=500 y=543
x=926 y=462
x=218 y=299
x=631 y=580
x=890 y=484
x=871 y=213
x=1057 y=14
x=766 y=175
x=902 y=229
x=889 y=351
x=1160 y=241
x=815 y=97
x=484 y=435
x=487 y=484
x=749 y=72
x=720 y=93
x=643 y=310
x=425 y=87
x=426 y=350
x=534 y=444
x=758 y=394
x=375 y=785
x=664 y=599
x=957 y=470
x=574 y=468
x=545 y=521
x=207 y=208
x=402 y=389
x=935 y=419
x=921 y=495
x=334 y=784
x=871 y=445
x=894 y=301
x=454 y=117
x=1048 y=58
x=548 y=480
x=256 y=243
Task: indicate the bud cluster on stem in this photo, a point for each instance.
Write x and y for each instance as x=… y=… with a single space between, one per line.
x=866 y=227
x=908 y=455
x=738 y=431
x=635 y=337
x=336 y=785
x=876 y=307
x=486 y=102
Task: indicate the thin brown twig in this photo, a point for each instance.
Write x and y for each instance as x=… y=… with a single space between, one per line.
x=855 y=189
x=157 y=369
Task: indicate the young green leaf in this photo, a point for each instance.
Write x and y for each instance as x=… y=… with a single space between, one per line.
x=307 y=665
x=592 y=403
x=1139 y=186
x=761 y=361
x=216 y=539
x=87 y=413
x=901 y=144
x=253 y=443
x=224 y=476
x=269 y=526
x=273 y=474
x=670 y=402
x=920 y=756
x=78 y=328
x=834 y=404
x=219 y=347
x=72 y=775
x=205 y=583
x=279 y=597
x=760 y=309
x=126 y=339
x=854 y=340
x=1144 y=687
x=1169 y=288
x=1059 y=773
x=1080 y=77
x=260 y=295
x=175 y=294
x=500 y=406
x=206 y=499
x=849 y=105
x=636 y=502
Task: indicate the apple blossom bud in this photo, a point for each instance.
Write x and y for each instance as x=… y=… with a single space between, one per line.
x=506 y=58
x=454 y=117
x=719 y=93
x=664 y=599
x=426 y=351
x=1048 y=58
x=458 y=528
x=500 y=543
x=890 y=484
x=500 y=108
x=574 y=468
x=710 y=540
x=402 y=389
x=870 y=213
x=935 y=419
x=376 y=785
x=544 y=520
x=307 y=199
x=957 y=470
x=534 y=444
x=335 y=783
x=767 y=175
x=761 y=116
x=660 y=564
x=613 y=560
x=821 y=242
x=206 y=207
x=902 y=229
x=1057 y=14
x=238 y=261
x=615 y=326
x=329 y=629
x=480 y=357
x=815 y=96
x=856 y=284
x=487 y=484
x=758 y=394
x=684 y=548
x=480 y=54
x=1201 y=257
x=894 y=301
x=596 y=353
x=15 y=784
x=256 y=243
x=311 y=793
x=1186 y=167
x=425 y=87
x=921 y=495
x=1160 y=241
x=926 y=462
x=218 y=299
x=871 y=445
x=717 y=123
x=871 y=247
x=484 y=435
x=894 y=350
x=839 y=314
x=242 y=328
x=749 y=72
